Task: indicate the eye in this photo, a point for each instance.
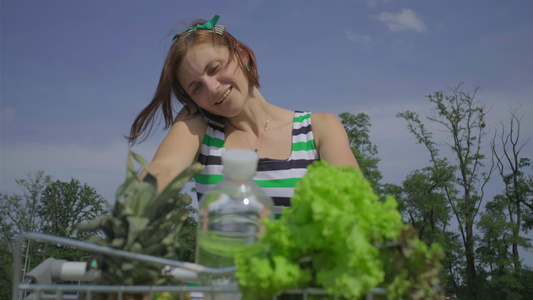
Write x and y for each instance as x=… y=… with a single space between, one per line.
x=195 y=89
x=214 y=69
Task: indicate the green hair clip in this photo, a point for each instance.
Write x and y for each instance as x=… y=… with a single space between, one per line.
x=211 y=26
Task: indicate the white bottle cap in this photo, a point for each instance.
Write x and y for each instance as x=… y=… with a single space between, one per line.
x=239 y=163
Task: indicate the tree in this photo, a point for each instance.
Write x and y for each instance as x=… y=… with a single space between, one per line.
x=187 y=235
x=425 y=203
x=422 y=202
x=461 y=117
x=47 y=207
x=496 y=236
x=18 y=214
x=496 y=272
x=518 y=191
x=64 y=204
x=358 y=130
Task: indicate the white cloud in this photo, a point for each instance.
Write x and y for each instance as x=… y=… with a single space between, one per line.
x=404 y=20
x=360 y=39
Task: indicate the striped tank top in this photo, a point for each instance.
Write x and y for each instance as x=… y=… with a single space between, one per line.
x=276 y=177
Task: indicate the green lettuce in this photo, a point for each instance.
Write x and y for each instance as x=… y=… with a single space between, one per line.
x=331 y=237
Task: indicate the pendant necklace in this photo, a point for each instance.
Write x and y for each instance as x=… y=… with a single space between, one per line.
x=257 y=149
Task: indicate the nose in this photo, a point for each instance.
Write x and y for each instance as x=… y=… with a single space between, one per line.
x=212 y=84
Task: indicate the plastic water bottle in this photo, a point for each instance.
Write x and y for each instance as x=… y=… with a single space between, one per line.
x=230 y=216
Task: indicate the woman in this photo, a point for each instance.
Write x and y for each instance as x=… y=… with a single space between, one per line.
x=215 y=77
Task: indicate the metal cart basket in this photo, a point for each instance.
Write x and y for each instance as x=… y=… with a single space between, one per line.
x=44 y=281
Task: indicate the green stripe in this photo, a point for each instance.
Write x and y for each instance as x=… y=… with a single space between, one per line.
x=278 y=183
x=301 y=118
x=309 y=145
x=281 y=183
x=208 y=179
x=213 y=141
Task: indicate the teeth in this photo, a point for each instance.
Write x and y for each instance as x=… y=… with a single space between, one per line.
x=226 y=94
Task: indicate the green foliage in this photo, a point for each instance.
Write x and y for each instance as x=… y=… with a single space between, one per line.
x=6 y=259
x=342 y=231
x=462 y=119
x=424 y=201
x=47 y=207
x=517 y=197
x=64 y=204
x=495 y=238
x=412 y=269
x=82 y=201
x=187 y=235
x=141 y=221
x=358 y=130
x=18 y=214
x=501 y=285
x=453 y=263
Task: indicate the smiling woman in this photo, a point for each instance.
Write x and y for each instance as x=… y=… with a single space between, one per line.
x=215 y=78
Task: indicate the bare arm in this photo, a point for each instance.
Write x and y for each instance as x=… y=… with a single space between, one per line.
x=179 y=149
x=332 y=141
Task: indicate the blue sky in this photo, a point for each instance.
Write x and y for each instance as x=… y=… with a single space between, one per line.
x=74 y=74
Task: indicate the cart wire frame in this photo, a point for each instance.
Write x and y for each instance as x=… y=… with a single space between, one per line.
x=72 y=291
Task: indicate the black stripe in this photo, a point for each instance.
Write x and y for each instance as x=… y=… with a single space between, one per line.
x=301 y=130
x=209 y=160
x=267 y=164
x=264 y=164
x=215 y=127
x=282 y=201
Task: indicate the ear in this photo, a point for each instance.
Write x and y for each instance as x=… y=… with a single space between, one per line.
x=243 y=55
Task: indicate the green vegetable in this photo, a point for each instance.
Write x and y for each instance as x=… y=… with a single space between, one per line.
x=341 y=230
x=141 y=221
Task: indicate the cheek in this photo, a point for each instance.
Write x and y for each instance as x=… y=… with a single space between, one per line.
x=200 y=100
x=234 y=70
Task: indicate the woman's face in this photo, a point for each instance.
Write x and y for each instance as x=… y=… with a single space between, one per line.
x=215 y=82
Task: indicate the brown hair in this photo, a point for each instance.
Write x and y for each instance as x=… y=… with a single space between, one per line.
x=170 y=86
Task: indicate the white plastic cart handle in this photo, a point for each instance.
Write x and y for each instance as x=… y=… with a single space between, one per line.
x=57 y=270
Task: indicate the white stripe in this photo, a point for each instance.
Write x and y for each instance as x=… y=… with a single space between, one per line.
x=212 y=170
x=299 y=114
x=279 y=192
x=212 y=150
x=280 y=174
x=214 y=133
x=272 y=192
x=303 y=137
x=304 y=123
x=304 y=154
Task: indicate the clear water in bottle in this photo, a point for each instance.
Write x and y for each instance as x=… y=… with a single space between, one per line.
x=230 y=216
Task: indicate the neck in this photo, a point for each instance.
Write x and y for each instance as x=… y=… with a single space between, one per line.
x=254 y=117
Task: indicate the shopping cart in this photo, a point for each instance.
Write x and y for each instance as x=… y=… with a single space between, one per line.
x=46 y=281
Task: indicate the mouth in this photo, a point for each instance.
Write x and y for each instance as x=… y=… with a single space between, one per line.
x=226 y=94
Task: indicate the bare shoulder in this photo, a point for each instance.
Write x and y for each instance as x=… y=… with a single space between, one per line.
x=193 y=123
x=324 y=122
x=324 y=117
x=184 y=137
x=179 y=149
x=325 y=125
x=331 y=140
